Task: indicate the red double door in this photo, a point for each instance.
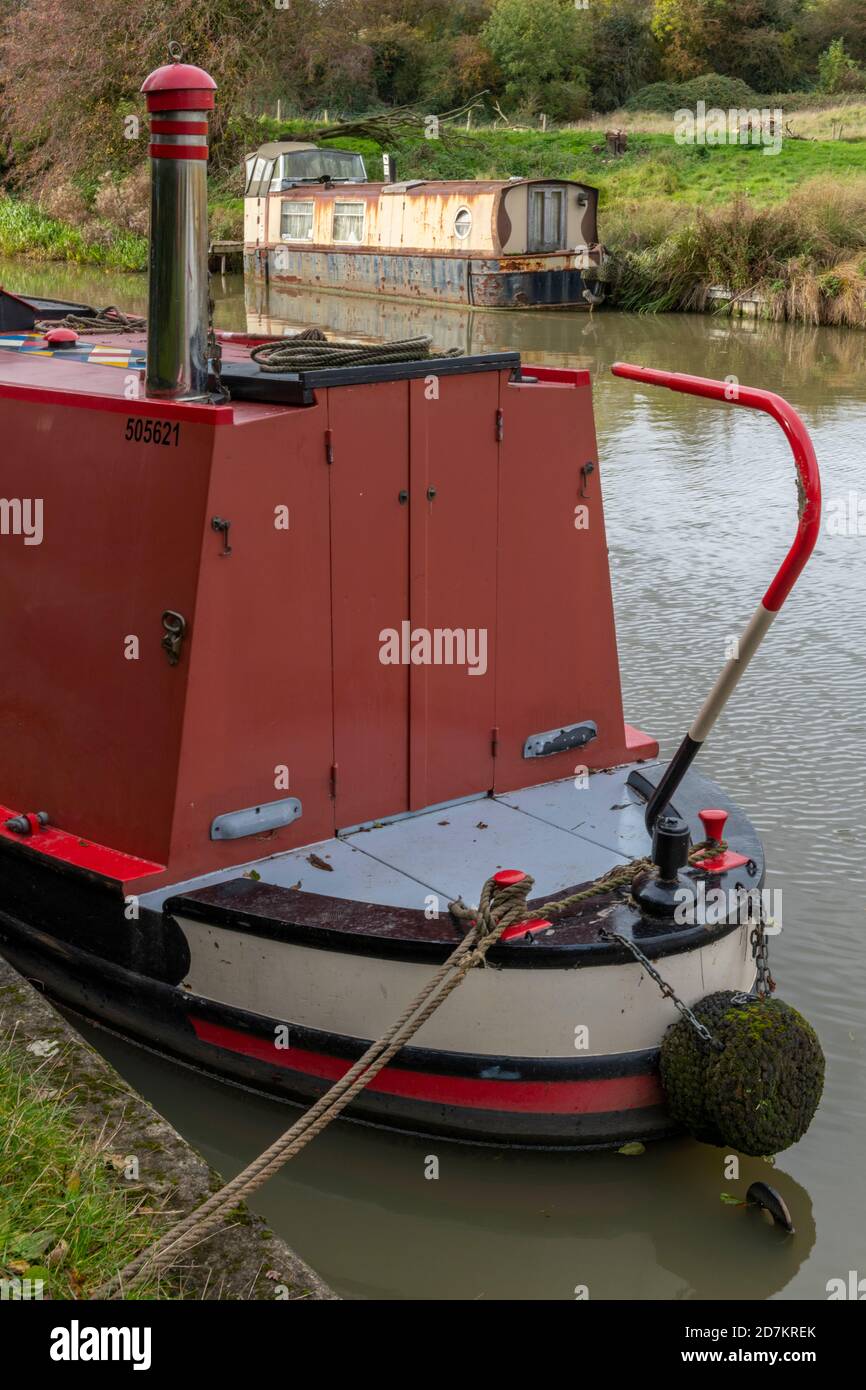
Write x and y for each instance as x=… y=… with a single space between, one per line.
x=414 y=488
x=453 y=519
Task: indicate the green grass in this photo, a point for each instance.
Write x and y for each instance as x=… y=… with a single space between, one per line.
x=65 y=1217
x=27 y=231
x=654 y=163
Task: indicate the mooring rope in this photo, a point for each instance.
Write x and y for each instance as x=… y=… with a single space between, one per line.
x=500 y=906
x=311 y=349
x=108 y=320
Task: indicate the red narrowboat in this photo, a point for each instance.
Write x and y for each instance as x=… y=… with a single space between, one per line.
x=294 y=660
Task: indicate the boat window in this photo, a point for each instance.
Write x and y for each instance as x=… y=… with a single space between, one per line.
x=323 y=164
x=348 y=221
x=257 y=167
x=463 y=222
x=296 y=223
x=260 y=177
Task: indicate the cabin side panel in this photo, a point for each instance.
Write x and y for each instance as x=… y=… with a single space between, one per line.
x=515 y=223
x=123 y=508
x=557 y=661
x=430 y=221
x=258 y=727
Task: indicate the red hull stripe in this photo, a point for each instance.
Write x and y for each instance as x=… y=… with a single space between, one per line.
x=594 y=1096
x=83 y=854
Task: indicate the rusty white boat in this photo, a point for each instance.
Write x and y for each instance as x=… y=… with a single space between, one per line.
x=288 y=672
x=311 y=218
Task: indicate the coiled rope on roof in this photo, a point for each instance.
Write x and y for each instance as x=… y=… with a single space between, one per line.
x=108 y=320
x=311 y=349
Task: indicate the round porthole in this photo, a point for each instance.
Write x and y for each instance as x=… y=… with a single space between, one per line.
x=463 y=223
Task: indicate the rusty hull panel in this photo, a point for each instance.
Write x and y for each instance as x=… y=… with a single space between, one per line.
x=528 y=289
x=362 y=272
x=447 y=279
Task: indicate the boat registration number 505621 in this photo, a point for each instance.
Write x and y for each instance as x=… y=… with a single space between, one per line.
x=152 y=431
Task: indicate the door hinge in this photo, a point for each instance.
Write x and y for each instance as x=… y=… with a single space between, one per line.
x=334 y=780
x=500 y=426
x=494 y=741
x=329 y=446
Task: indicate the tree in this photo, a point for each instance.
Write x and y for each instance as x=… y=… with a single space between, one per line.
x=837 y=71
x=685 y=29
x=837 y=19
x=535 y=43
x=69 y=80
x=759 y=41
x=620 y=52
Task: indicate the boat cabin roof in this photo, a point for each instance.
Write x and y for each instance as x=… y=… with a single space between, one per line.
x=280 y=164
x=276 y=147
x=444 y=187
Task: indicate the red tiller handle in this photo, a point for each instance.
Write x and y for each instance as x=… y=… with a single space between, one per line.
x=786 y=577
x=801 y=446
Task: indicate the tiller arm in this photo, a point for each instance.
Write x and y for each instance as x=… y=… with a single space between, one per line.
x=809 y=487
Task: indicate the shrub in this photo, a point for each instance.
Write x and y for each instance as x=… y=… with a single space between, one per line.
x=125 y=203
x=712 y=88
x=64 y=201
x=226 y=221
x=715 y=90
x=663 y=97
x=837 y=71
x=565 y=101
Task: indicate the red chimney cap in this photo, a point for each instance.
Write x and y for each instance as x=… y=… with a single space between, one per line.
x=179 y=77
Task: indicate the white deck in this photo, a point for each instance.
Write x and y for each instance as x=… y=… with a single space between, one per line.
x=560 y=834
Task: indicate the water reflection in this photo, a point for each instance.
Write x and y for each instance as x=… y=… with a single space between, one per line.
x=493 y=1225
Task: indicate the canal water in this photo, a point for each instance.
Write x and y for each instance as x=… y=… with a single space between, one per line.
x=700 y=505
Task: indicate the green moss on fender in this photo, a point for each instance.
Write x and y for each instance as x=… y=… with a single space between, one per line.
x=683 y=1064
x=763 y=1089
x=757 y=1094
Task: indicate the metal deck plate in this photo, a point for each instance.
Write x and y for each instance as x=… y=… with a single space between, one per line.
x=459 y=848
x=352 y=875
x=560 y=835
x=607 y=812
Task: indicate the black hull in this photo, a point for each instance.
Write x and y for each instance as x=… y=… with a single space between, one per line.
x=158 y=1015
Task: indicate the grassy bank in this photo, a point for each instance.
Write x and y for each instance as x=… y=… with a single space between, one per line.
x=66 y=1217
x=26 y=230
x=803 y=256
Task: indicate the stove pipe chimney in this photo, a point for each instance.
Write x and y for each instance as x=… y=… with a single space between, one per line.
x=179 y=98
